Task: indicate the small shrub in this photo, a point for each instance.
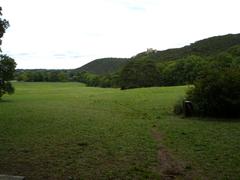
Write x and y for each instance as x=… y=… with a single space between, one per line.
x=178 y=107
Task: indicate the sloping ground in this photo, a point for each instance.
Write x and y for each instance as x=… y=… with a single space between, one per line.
x=68 y=131
x=104 y=66
x=206 y=47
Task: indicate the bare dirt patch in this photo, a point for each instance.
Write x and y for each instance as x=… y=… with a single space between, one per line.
x=169 y=167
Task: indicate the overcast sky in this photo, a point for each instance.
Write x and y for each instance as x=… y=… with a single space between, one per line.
x=65 y=34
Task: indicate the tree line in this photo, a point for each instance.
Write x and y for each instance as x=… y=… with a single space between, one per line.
x=141 y=73
x=40 y=75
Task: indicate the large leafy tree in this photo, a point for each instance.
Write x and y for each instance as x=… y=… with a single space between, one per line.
x=7 y=64
x=217 y=90
x=137 y=74
x=3 y=25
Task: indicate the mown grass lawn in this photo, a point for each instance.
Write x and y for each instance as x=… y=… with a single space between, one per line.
x=68 y=131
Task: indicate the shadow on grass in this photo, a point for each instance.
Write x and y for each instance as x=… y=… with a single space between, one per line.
x=212 y=119
x=5 y=101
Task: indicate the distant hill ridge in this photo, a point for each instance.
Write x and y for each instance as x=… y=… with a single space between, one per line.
x=206 y=47
x=104 y=65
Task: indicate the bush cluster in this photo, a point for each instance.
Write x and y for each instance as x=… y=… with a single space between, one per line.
x=217 y=93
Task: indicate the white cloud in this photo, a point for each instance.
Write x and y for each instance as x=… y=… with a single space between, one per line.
x=108 y=28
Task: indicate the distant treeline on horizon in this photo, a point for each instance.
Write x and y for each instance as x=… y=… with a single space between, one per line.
x=178 y=66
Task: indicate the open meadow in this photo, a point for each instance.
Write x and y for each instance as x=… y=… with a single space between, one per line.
x=69 y=131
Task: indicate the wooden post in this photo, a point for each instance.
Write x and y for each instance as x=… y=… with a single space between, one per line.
x=187 y=108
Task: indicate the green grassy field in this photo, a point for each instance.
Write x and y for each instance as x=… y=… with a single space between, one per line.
x=68 y=131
